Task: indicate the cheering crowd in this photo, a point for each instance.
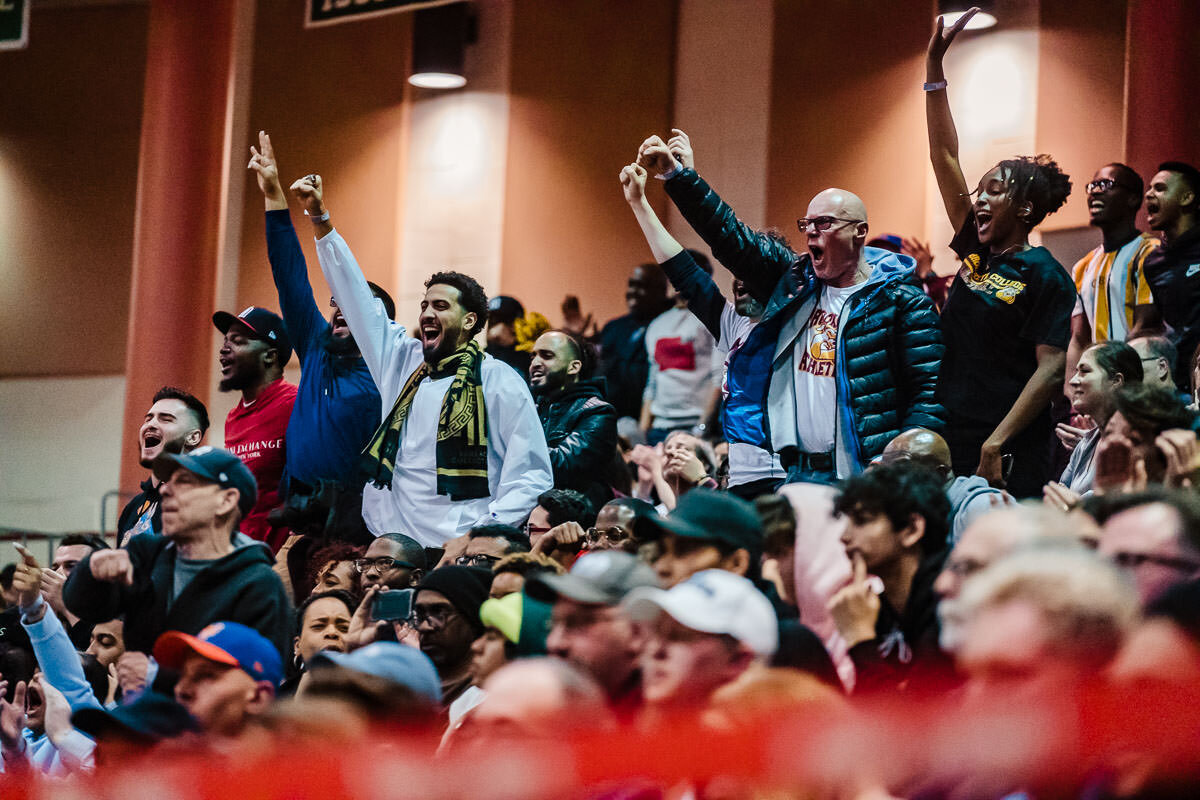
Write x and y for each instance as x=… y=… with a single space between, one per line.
x=851 y=480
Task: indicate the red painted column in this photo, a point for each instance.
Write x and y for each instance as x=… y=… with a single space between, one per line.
x=179 y=200
x=1162 y=59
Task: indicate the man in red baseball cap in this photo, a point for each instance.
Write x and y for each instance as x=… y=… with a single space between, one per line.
x=228 y=675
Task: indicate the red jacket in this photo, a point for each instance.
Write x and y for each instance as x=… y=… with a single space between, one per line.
x=255 y=434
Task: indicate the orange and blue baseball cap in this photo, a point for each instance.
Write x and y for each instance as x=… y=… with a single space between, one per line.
x=226 y=643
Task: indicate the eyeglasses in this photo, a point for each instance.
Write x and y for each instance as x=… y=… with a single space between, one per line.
x=1135 y=560
x=613 y=535
x=530 y=529
x=1104 y=184
x=433 y=617
x=383 y=563
x=478 y=560
x=822 y=223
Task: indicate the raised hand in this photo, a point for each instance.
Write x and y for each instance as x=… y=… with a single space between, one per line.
x=1114 y=463
x=262 y=161
x=27 y=580
x=133 y=667
x=1058 y=496
x=943 y=37
x=681 y=147
x=52 y=586
x=991 y=465
x=562 y=540
x=310 y=191
x=364 y=629
x=112 y=566
x=683 y=463
x=57 y=719
x=920 y=252
x=855 y=607
x=12 y=716
x=633 y=182
x=655 y=156
x=573 y=319
x=1181 y=449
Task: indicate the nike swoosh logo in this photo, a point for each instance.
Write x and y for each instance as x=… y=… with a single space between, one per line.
x=1192 y=270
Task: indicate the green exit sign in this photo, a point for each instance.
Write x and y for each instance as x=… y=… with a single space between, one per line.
x=14 y=24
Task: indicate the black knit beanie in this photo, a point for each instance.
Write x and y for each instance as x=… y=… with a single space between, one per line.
x=465 y=587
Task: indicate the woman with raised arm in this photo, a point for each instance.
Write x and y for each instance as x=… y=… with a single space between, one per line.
x=1007 y=319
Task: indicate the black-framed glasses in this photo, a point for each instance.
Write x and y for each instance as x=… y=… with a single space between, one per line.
x=477 y=560
x=1135 y=560
x=1104 y=184
x=822 y=223
x=383 y=564
x=613 y=535
x=433 y=617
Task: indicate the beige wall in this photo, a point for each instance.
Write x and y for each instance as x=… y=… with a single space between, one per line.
x=70 y=114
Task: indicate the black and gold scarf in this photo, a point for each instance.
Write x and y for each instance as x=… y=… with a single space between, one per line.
x=462 y=456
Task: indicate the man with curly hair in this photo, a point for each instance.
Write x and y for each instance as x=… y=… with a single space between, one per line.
x=460 y=444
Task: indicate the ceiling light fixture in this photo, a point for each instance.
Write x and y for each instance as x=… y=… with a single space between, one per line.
x=440 y=38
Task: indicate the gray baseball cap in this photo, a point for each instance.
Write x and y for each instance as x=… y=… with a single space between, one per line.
x=599 y=578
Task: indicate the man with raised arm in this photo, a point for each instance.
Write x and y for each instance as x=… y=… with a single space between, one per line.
x=460 y=444
x=753 y=469
x=336 y=402
x=856 y=344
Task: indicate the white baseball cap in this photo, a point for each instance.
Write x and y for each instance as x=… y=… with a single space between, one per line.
x=713 y=601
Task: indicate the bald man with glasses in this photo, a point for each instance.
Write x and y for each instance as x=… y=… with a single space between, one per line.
x=848 y=338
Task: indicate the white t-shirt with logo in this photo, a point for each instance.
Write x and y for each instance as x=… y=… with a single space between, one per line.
x=815 y=359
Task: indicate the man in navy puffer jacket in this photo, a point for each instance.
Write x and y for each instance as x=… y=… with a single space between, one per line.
x=856 y=342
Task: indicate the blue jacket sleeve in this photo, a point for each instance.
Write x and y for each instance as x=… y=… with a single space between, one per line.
x=59 y=662
x=703 y=296
x=301 y=315
x=757 y=258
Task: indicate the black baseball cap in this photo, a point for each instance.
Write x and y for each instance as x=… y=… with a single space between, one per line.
x=151 y=718
x=263 y=324
x=504 y=309
x=213 y=464
x=708 y=515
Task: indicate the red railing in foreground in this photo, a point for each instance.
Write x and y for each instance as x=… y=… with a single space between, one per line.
x=1052 y=741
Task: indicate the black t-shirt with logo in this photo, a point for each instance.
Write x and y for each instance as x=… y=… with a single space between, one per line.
x=996 y=315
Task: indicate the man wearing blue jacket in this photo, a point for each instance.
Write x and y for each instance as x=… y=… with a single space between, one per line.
x=850 y=341
x=337 y=404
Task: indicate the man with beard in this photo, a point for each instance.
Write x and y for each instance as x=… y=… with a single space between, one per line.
x=175 y=423
x=1114 y=301
x=753 y=468
x=1173 y=269
x=460 y=444
x=580 y=425
x=252 y=357
x=337 y=402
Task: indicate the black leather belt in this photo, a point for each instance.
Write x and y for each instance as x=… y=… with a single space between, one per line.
x=809 y=462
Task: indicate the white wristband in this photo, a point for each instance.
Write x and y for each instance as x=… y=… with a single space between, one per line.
x=323 y=218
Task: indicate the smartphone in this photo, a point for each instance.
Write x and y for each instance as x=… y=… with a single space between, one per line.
x=393 y=605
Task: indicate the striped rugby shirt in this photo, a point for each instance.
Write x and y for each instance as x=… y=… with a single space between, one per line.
x=1111 y=285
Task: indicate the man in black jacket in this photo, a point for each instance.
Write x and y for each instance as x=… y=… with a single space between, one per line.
x=580 y=425
x=857 y=344
x=201 y=570
x=1173 y=268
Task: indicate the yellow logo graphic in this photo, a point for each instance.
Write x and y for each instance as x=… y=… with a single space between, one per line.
x=1003 y=289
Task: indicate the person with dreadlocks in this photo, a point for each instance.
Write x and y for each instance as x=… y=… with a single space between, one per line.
x=1007 y=320
x=460 y=444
